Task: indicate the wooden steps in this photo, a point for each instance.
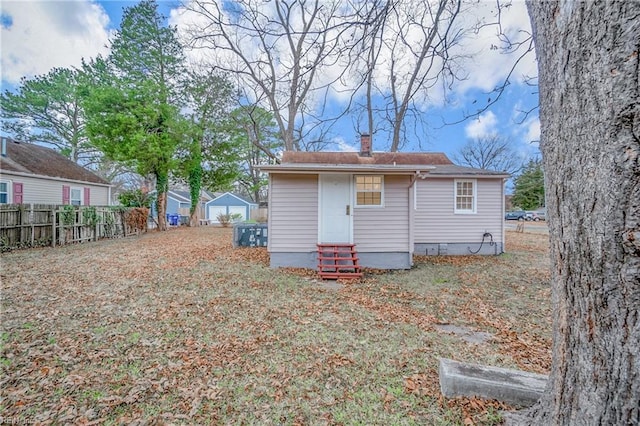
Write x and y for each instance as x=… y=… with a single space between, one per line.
x=338 y=260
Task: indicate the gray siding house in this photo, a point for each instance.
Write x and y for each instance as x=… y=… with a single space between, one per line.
x=35 y=174
x=390 y=205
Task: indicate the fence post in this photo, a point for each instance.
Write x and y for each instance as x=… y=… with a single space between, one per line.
x=20 y=223
x=33 y=227
x=53 y=226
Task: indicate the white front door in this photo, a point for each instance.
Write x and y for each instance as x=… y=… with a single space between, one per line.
x=336 y=209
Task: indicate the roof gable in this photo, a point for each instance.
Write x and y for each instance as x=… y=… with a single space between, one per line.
x=178 y=195
x=236 y=196
x=183 y=196
x=42 y=161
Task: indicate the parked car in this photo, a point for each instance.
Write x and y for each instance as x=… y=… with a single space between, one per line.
x=516 y=215
x=535 y=216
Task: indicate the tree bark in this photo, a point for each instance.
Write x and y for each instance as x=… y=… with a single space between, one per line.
x=590 y=141
x=162 y=187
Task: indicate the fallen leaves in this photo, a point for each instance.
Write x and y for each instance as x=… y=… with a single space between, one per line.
x=476 y=411
x=390 y=312
x=458 y=261
x=422 y=384
x=182 y=328
x=527 y=242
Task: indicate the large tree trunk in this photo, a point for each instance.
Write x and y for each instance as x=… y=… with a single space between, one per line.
x=162 y=187
x=590 y=120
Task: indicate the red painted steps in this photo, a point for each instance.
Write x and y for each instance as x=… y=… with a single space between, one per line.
x=338 y=260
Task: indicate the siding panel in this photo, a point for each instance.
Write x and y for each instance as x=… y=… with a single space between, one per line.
x=43 y=191
x=435 y=221
x=293 y=215
x=385 y=229
x=173 y=206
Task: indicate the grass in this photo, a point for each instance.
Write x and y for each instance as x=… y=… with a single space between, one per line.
x=178 y=327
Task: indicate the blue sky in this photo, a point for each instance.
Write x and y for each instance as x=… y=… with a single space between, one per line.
x=38 y=35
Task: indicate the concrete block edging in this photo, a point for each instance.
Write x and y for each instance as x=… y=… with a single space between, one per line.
x=514 y=387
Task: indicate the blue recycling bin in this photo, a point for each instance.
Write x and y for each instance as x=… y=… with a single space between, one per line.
x=173 y=219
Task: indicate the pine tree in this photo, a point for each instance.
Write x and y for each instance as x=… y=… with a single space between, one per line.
x=529 y=187
x=133 y=99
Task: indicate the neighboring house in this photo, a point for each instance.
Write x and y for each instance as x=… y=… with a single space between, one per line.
x=391 y=205
x=32 y=173
x=179 y=203
x=229 y=203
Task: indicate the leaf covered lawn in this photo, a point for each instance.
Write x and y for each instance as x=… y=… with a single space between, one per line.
x=181 y=328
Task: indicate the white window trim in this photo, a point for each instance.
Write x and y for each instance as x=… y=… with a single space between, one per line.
x=81 y=195
x=9 y=190
x=474 y=186
x=368 y=206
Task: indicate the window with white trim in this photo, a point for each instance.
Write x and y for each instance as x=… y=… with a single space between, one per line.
x=4 y=192
x=465 y=196
x=76 y=197
x=369 y=190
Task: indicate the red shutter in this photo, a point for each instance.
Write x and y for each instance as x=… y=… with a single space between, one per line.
x=17 y=193
x=87 y=199
x=66 y=194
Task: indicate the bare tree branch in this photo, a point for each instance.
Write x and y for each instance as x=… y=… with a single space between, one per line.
x=280 y=50
x=491 y=153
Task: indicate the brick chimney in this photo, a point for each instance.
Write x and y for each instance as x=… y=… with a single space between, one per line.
x=365 y=145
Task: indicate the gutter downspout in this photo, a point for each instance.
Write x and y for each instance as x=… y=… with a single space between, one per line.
x=418 y=174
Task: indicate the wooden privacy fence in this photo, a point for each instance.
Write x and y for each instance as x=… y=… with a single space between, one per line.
x=33 y=225
x=259 y=215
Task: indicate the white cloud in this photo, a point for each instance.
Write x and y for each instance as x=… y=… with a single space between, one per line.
x=480 y=66
x=41 y=35
x=525 y=137
x=533 y=130
x=487 y=67
x=342 y=145
x=484 y=125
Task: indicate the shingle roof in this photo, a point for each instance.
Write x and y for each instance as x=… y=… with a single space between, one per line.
x=186 y=195
x=39 y=160
x=377 y=158
x=437 y=164
x=453 y=169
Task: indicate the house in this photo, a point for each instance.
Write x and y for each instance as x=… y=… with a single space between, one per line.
x=390 y=205
x=229 y=203
x=179 y=203
x=32 y=173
